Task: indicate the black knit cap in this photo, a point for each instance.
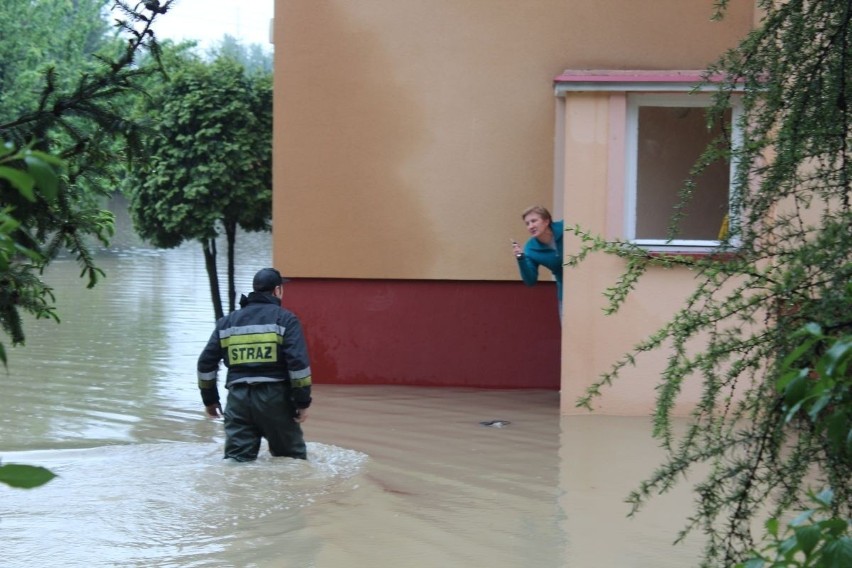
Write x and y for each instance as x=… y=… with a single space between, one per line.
x=267 y=279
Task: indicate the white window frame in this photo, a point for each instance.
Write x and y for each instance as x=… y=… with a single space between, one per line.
x=694 y=100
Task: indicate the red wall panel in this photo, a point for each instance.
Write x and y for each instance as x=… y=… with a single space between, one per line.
x=429 y=333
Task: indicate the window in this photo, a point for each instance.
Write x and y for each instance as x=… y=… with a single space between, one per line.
x=666 y=134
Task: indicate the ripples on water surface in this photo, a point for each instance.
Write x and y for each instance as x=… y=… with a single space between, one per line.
x=166 y=504
x=396 y=476
x=108 y=400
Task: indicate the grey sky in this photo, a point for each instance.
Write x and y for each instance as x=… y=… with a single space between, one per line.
x=208 y=20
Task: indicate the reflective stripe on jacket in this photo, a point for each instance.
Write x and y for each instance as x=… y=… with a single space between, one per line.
x=260 y=341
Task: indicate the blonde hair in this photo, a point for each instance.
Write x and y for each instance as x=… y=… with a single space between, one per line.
x=538 y=210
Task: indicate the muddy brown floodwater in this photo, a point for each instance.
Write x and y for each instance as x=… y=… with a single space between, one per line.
x=396 y=476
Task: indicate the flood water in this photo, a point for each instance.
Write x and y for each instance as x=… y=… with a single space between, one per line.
x=396 y=476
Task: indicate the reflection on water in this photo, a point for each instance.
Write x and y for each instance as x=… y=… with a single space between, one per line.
x=602 y=459
x=396 y=476
x=123 y=354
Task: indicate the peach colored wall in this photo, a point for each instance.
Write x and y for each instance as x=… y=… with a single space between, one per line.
x=649 y=34
x=410 y=134
x=591 y=342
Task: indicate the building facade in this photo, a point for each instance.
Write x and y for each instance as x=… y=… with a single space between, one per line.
x=409 y=136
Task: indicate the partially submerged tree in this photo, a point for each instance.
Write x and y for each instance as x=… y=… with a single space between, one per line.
x=210 y=167
x=54 y=128
x=74 y=115
x=773 y=316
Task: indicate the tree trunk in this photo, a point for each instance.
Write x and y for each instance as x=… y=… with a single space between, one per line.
x=231 y=233
x=209 y=246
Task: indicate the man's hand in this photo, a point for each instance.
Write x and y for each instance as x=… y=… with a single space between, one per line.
x=301 y=415
x=214 y=410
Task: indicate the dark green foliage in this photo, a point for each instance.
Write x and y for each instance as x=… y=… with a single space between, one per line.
x=769 y=437
x=29 y=176
x=63 y=79
x=815 y=386
x=816 y=392
x=814 y=539
x=209 y=155
x=210 y=159
x=24 y=476
x=38 y=36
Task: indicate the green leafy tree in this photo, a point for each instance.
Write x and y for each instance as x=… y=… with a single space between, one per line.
x=75 y=116
x=210 y=161
x=46 y=48
x=38 y=36
x=773 y=423
x=54 y=137
x=253 y=57
x=26 y=173
x=816 y=395
x=32 y=176
x=814 y=539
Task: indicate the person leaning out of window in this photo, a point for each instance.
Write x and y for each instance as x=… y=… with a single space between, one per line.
x=544 y=248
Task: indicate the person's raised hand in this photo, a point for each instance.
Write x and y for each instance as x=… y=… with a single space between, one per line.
x=516 y=249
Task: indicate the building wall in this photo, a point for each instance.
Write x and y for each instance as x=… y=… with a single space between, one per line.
x=408 y=137
x=428 y=333
x=410 y=134
x=593 y=164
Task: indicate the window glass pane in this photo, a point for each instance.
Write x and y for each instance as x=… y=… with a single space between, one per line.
x=670 y=140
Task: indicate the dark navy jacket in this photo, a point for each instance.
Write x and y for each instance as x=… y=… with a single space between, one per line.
x=260 y=342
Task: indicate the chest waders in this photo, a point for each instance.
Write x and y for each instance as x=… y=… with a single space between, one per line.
x=262 y=410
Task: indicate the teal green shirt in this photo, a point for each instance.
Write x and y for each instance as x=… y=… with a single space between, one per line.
x=537 y=254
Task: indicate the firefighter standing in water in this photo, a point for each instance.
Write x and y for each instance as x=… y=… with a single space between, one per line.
x=269 y=374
